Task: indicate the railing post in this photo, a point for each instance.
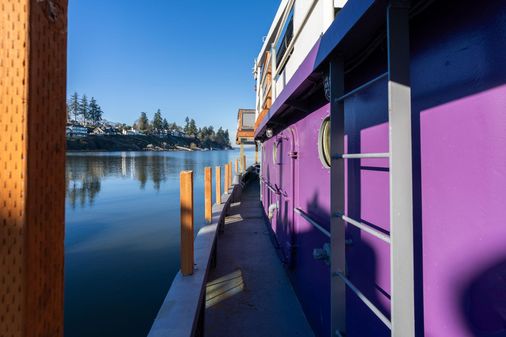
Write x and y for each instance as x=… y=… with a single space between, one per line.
x=208 y=178
x=401 y=184
x=337 y=199
x=218 y=185
x=186 y=197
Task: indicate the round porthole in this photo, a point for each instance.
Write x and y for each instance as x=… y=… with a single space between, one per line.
x=324 y=143
x=275 y=152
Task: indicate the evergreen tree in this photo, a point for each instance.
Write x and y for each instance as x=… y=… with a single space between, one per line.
x=186 y=128
x=158 y=121
x=220 y=136
x=227 y=138
x=84 y=108
x=165 y=125
x=192 y=128
x=73 y=106
x=95 y=112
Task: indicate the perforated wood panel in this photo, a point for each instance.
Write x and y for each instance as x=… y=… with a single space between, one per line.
x=32 y=159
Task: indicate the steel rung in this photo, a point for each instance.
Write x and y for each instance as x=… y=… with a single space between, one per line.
x=311 y=221
x=363 y=86
x=364 y=299
x=366 y=228
x=362 y=155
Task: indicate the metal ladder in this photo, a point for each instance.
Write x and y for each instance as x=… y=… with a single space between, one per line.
x=402 y=322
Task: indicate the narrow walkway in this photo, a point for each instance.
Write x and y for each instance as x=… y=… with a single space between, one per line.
x=249 y=293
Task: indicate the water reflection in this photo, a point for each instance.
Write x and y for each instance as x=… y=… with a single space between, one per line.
x=84 y=173
x=122 y=236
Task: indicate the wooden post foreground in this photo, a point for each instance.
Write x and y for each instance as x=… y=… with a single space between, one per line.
x=186 y=197
x=218 y=184
x=33 y=63
x=208 y=182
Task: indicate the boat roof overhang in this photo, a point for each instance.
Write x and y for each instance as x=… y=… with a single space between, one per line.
x=356 y=26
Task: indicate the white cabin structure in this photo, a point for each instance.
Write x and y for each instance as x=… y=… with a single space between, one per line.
x=296 y=28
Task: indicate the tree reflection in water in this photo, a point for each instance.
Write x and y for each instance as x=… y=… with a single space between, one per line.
x=84 y=173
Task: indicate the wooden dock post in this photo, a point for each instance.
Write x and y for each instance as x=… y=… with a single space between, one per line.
x=237 y=166
x=230 y=175
x=208 y=190
x=256 y=153
x=243 y=158
x=227 y=186
x=218 y=184
x=186 y=197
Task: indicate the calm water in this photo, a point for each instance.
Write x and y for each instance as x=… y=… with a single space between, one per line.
x=122 y=236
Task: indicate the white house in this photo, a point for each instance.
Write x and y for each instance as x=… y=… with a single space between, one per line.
x=76 y=131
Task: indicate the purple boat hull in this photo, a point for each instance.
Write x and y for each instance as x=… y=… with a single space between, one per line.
x=458 y=82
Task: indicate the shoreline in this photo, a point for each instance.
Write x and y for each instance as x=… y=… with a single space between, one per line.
x=167 y=150
x=148 y=143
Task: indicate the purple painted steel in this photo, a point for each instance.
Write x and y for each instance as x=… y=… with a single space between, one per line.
x=463 y=183
x=459 y=177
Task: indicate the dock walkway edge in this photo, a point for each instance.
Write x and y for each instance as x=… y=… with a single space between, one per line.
x=182 y=311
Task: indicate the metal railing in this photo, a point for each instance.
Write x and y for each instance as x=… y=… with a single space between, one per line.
x=400 y=239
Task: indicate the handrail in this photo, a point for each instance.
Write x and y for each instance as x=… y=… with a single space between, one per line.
x=311 y=221
x=363 y=86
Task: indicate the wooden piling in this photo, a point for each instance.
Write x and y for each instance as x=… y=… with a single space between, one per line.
x=256 y=153
x=237 y=166
x=208 y=182
x=186 y=197
x=226 y=178
x=218 y=184
x=243 y=158
x=230 y=175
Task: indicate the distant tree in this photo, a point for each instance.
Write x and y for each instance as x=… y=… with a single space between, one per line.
x=226 y=137
x=186 y=128
x=142 y=123
x=95 y=112
x=165 y=125
x=192 y=128
x=84 y=108
x=73 y=105
x=157 y=121
x=220 y=136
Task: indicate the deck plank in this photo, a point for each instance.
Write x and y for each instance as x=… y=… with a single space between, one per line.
x=249 y=293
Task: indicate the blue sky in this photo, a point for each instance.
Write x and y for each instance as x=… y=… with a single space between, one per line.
x=188 y=58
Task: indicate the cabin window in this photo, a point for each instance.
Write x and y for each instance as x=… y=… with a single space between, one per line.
x=324 y=142
x=285 y=38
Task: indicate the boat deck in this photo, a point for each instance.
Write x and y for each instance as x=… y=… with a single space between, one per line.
x=249 y=293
